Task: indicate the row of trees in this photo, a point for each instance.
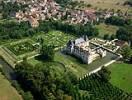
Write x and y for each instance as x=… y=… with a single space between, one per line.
x=115 y=20
x=9 y=9
x=14 y=30
x=128 y=2
x=78 y=29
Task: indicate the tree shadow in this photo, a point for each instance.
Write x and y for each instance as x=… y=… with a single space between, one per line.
x=42 y=58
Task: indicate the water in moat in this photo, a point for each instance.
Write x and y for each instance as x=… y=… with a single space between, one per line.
x=7 y=69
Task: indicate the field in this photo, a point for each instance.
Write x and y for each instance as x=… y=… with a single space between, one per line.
x=121 y=76
x=7 y=92
x=109 y=4
x=101 y=90
x=106 y=29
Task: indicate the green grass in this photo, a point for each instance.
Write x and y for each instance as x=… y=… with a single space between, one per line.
x=78 y=67
x=121 y=76
x=106 y=29
x=75 y=65
x=7 y=92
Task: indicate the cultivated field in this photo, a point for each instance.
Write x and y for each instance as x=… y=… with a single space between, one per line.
x=109 y=4
x=7 y=92
x=121 y=76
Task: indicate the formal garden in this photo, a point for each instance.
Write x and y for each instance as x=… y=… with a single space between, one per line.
x=56 y=38
x=21 y=48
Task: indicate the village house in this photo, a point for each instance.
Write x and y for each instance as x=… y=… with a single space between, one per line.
x=47 y=9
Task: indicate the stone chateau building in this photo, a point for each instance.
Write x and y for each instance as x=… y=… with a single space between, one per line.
x=81 y=48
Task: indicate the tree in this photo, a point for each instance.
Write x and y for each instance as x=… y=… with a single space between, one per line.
x=28 y=96
x=44 y=82
x=125 y=33
x=112 y=37
x=128 y=2
x=106 y=37
x=126 y=53
x=47 y=52
x=104 y=74
x=115 y=20
x=131 y=60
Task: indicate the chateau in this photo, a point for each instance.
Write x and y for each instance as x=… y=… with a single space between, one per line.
x=81 y=48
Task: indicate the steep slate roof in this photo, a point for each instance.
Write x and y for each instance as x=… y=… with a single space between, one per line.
x=79 y=40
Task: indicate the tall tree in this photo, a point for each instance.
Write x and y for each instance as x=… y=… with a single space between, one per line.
x=126 y=52
x=47 y=52
x=125 y=33
x=104 y=74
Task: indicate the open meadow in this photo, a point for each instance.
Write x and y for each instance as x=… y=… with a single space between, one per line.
x=7 y=92
x=109 y=4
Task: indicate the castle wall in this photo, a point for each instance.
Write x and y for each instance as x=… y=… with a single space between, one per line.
x=84 y=52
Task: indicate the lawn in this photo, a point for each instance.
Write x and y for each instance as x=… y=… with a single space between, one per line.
x=106 y=29
x=78 y=67
x=121 y=76
x=7 y=92
x=75 y=65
